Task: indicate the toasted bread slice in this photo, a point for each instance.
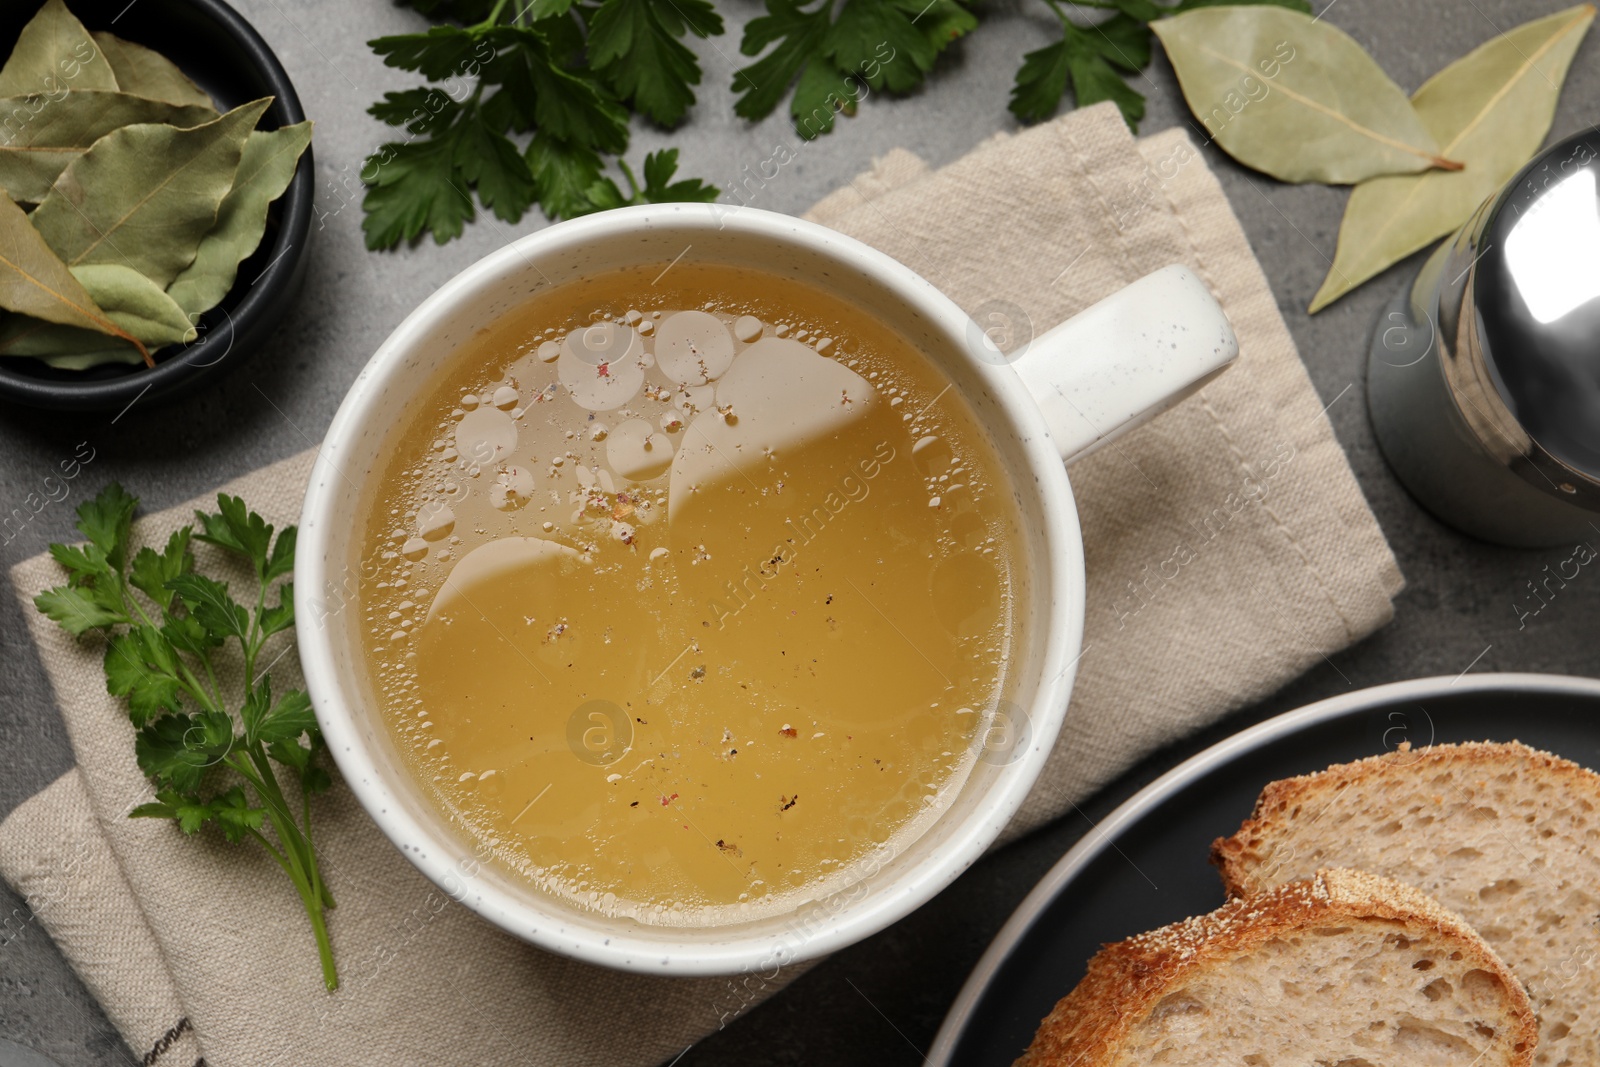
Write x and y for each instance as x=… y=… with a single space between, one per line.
x=1344 y=969
x=1507 y=837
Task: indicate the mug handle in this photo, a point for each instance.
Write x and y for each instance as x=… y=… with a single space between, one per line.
x=1116 y=365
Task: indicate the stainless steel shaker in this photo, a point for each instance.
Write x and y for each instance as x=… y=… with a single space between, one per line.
x=1483 y=377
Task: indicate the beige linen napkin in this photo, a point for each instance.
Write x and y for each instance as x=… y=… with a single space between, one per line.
x=1228 y=550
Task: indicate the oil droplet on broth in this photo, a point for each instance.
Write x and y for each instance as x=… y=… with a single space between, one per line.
x=785 y=396
x=712 y=646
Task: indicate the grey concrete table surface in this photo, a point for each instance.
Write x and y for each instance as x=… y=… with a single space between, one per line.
x=880 y=1002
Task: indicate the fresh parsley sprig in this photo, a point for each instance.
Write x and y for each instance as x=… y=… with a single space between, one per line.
x=557 y=74
x=166 y=626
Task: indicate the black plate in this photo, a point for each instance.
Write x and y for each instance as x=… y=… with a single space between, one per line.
x=225 y=56
x=1146 y=865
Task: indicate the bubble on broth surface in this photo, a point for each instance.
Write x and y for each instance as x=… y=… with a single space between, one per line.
x=435 y=520
x=638 y=451
x=485 y=434
x=693 y=347
x=747 y=328
x=932 y=455
x=599 y=365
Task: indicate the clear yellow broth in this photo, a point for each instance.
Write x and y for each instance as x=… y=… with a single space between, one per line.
x=691 y=595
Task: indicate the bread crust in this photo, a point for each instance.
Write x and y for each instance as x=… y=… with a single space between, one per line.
x=1126 y=980
x=1238 y=857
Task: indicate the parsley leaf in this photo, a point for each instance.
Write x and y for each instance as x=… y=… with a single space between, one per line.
x=436 y=54
x=185 y=634
x=659 y=188
x=141 y=665
x=565 y=73
x=238 y=530
x=281 y=561
x=76 y=609
x=1044 y=75
x=415 y=189
x=834 y=62
x=83 y=563
x=235 y=815
x=176 y=750
x=563 y=174
x=276 y=619
x=190 y=811
x=1090 y=57
x=798 y=32
x=168 y=673
x=106 y=520
x=152 y=570
x=635 y=48
x=286 y=720
x=491 y=163
x=211 y=605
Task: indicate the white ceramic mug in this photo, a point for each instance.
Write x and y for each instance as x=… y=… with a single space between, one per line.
x=1071 y=390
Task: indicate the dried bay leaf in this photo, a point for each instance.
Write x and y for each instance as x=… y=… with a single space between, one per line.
x=85 y=360
x=34 y=281
x=1294 y=97
x=1490 y=109
x=144 y=72
x=40 y=135
x=55 y=53
x=63 y=347
x=145 y=196
x=265 y=170
x=135 y=303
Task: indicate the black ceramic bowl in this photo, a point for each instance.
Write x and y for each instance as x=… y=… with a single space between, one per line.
x=222 y=52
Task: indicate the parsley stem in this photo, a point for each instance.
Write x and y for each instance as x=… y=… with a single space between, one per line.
x=627 y=172
x=211 y=677
x=252 y=640
x=313 y=904
x=297 y=858
x=129 y=600
x=193 y=686
x=265 y=784
x=271 y=850
x=311 y=846
x=319 y=930
x=494 y=16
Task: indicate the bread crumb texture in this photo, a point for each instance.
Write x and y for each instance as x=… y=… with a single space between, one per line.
x=1343 y=969
x=1504 y=835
